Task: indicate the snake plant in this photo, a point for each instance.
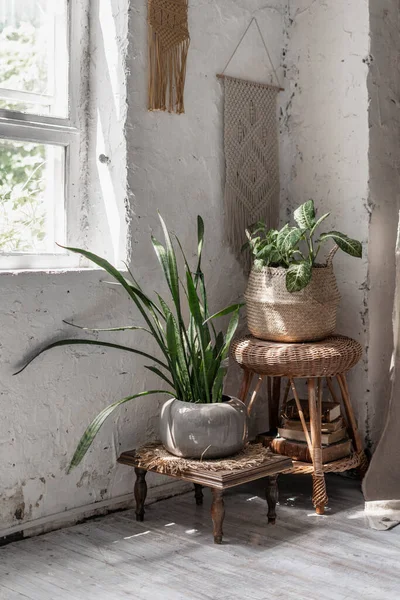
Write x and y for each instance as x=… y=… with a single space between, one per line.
x=296 y=248
x=192 y=355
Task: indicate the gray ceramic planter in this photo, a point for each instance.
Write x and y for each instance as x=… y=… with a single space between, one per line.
x=203 y=430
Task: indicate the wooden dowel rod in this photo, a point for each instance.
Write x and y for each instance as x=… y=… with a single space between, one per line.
x=267 y=85
x=254 y=394
x=332 y=390
x=350 y=413
x=246 y=384
x=286 y=394
x=301 y=415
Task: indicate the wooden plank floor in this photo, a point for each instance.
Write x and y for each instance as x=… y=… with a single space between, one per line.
x=171 y=556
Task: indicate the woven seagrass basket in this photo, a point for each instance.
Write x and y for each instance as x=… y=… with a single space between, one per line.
x=275 y=314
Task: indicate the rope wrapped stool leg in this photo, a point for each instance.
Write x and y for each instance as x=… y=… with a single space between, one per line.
x=320 y=497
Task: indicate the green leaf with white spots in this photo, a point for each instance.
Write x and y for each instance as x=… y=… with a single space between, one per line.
x=298 y=276
x=348 y=245
x=305 y=215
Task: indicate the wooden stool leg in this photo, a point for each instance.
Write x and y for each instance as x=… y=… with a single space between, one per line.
x=140 y=492
x=355 y=434
x=254 y=394
x=246 y=382
x=271 y=495
x=198 y=494
x=217 y=514
x=273 y=405
x=320 y=498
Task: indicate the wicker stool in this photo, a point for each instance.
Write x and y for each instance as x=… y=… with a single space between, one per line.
x=328 y=359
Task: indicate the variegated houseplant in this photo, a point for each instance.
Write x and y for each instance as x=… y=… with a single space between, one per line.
x=290 y=297
x=296 y=248
x=192 y=355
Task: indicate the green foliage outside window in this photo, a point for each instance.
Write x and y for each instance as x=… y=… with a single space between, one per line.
x=22 y=164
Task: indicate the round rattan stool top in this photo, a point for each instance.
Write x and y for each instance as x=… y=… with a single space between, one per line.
x=326 y=358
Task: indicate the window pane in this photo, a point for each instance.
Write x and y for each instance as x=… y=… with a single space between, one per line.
x=34 y=56
x=31 y=197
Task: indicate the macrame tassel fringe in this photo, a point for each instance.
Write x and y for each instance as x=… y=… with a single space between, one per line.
x=238 y=218
x=167 y=74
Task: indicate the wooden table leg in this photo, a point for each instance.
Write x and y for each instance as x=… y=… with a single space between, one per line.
x=271 y=495
x=217 y=514
x=246 y=382
x=198 y=494
x=355 y=434
x=140 y=492
x=319 y=497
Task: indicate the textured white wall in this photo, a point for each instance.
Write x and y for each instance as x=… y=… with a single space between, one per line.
x=140 y=162
x=176 y=163
x=148 y=162
x=325 y=142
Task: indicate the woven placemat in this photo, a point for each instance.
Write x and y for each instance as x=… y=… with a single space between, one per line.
x=155 y=457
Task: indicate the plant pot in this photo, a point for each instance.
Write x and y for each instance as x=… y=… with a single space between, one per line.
x=203 y=430
x=275 y=314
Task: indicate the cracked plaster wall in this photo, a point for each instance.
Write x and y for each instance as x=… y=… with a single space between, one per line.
x=340 y=129
x=325 y=140
x=138 y=163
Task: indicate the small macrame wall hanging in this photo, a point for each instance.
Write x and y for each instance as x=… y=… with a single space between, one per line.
x=251 y=155
x=168 y=41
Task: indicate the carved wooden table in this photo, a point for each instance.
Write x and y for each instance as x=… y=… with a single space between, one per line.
x=242 y=468
x=326 y=360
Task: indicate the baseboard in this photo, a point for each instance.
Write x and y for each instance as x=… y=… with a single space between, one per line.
x=81 y=513
x=383 y=514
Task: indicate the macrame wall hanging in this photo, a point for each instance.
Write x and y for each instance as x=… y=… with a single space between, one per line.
x=251 y=155
x=168 y=48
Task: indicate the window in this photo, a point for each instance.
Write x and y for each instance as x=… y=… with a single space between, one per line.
x=39 y=132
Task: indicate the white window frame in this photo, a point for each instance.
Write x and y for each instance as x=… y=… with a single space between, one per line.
x=65 y=132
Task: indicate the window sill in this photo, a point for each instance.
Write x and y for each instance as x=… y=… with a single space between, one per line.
x=50 y=270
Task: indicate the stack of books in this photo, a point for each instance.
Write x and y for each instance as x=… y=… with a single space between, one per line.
x=292 y=439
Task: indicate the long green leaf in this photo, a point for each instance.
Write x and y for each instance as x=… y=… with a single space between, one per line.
x=94 y=427
x=160 y=374
x=173 y=269
x=298 y=276
x=202 y=331
x=304 y=215
x=222 y=357
x=218 y=385
x=162 y=259
x=200 y=243
x=225 y=311
x=111 y=270
x=348 y=245
x=230 y=332
x=320 y=220
x=92 y=343
x=178 y=358
x=172 y=361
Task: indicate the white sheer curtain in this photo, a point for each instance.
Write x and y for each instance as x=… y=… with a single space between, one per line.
x=382 y=483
